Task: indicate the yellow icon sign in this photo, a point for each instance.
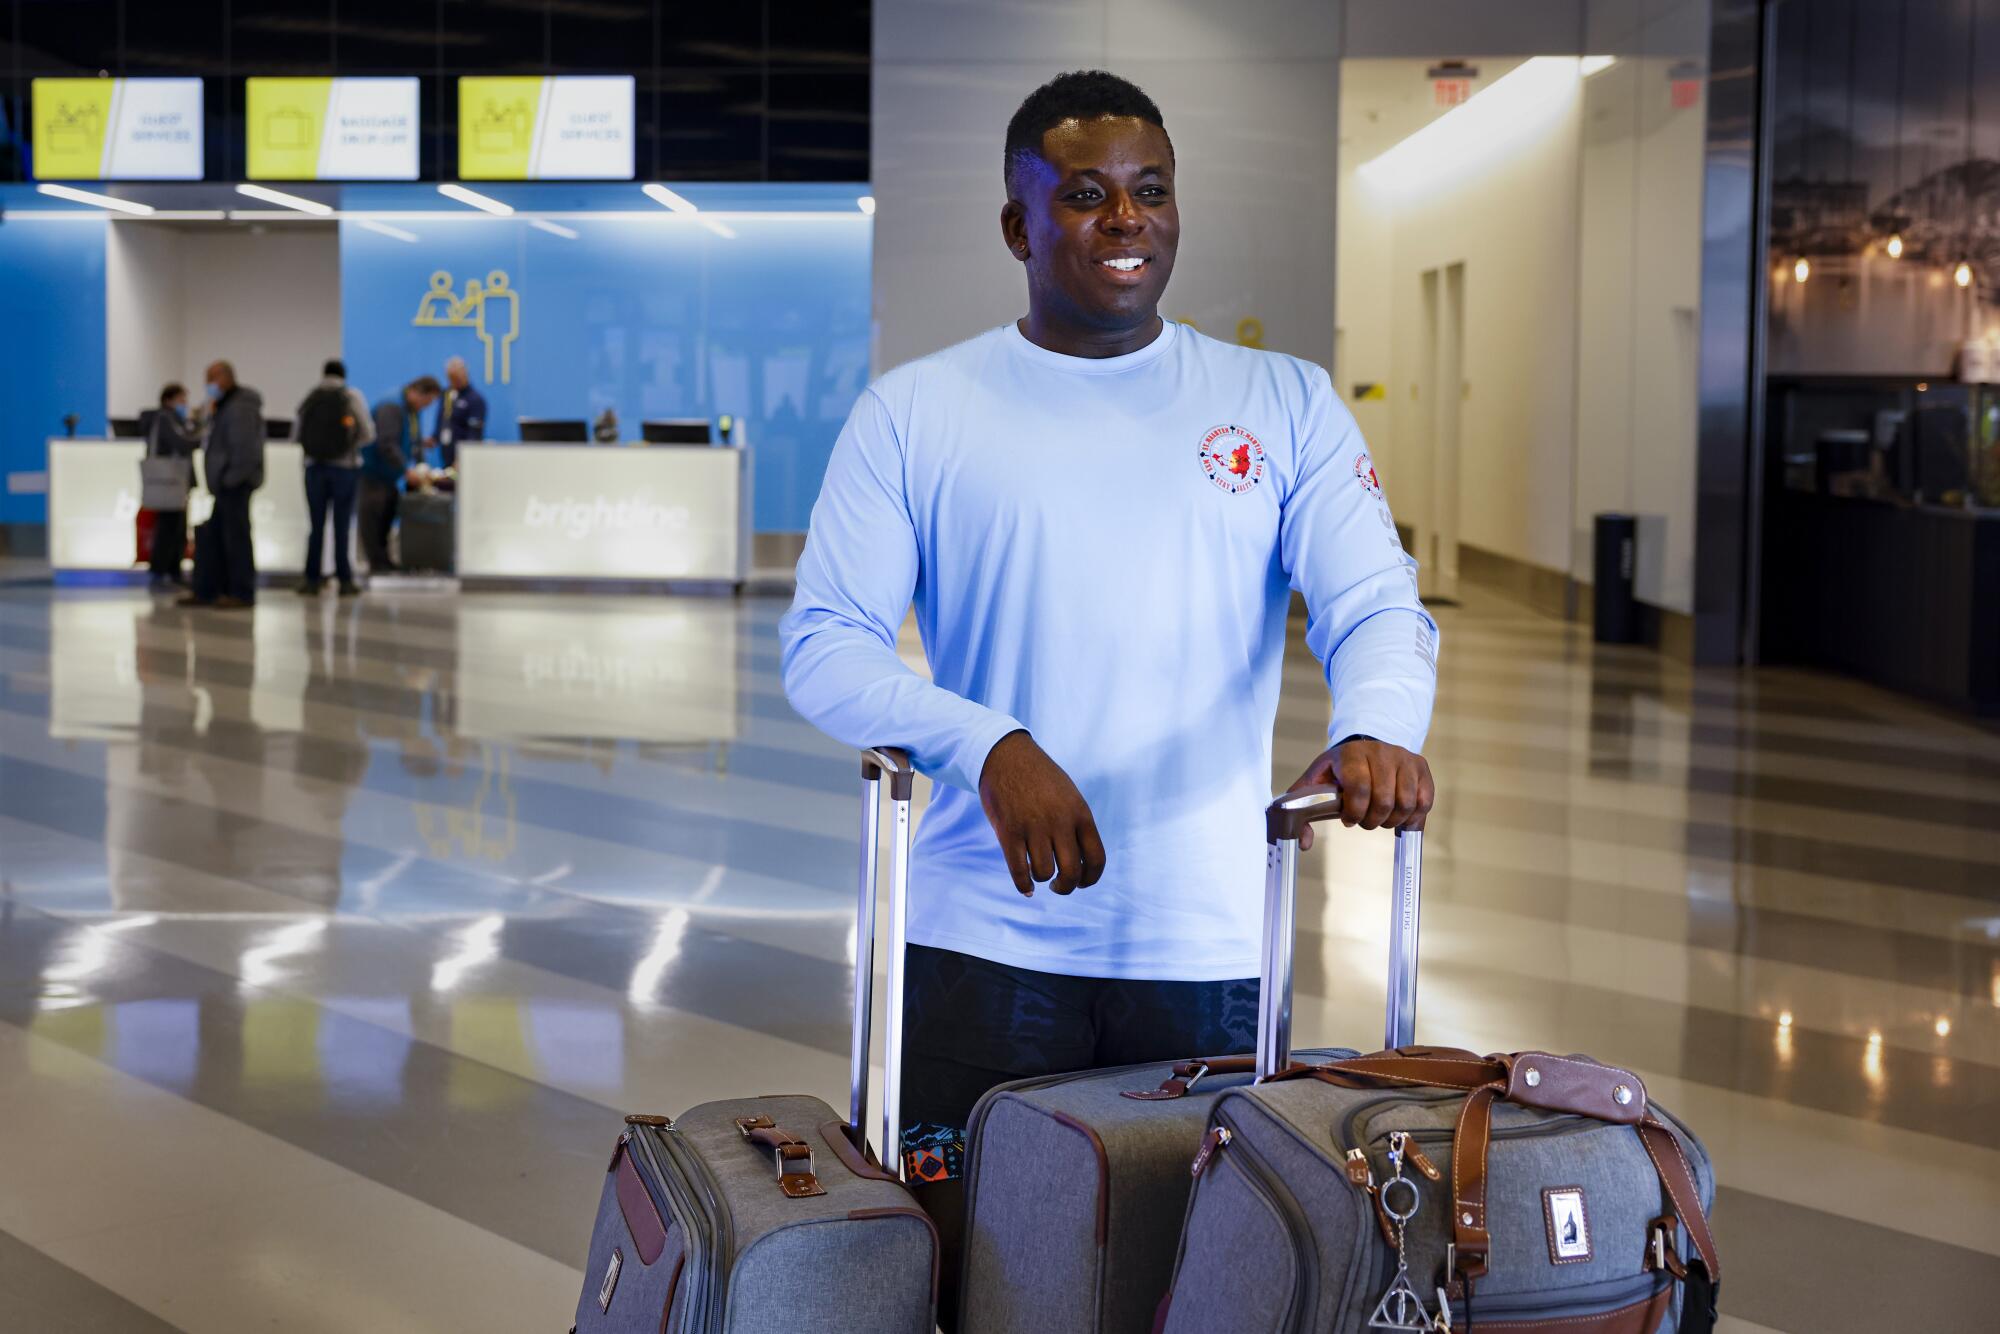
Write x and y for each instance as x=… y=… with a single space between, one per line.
x=491 y=309
x=75 y=129
x=288 y=127
x=502 y=127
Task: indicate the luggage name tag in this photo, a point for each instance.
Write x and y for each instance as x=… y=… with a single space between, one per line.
x=1401 y=1308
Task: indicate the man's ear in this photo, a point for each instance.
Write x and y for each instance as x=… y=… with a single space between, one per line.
x=1014 y=228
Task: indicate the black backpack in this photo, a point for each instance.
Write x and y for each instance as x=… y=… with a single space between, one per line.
x=326 y=424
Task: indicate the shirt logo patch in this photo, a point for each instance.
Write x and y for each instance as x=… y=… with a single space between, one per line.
x=1232 y=458
x=1364 y=473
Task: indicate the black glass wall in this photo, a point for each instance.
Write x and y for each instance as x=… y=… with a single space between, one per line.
x=744 y=90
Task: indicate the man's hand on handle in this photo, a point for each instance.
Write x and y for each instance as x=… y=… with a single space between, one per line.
x=1381 y=786
x=1043 y=823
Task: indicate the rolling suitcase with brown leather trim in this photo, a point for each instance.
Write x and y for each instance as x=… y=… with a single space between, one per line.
x=1076 y=1185
x=770 y=1215
x=1430 y=1189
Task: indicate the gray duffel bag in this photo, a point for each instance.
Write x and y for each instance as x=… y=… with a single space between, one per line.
x=1430 y=1189
x=769 y=1215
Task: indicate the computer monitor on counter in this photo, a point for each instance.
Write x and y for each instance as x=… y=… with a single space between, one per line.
x=554 y=431
x=677 y=431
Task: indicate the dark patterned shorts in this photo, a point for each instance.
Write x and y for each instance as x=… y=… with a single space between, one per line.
x=970 y=1023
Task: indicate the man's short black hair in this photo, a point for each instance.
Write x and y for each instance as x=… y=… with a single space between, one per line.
x=171 y=391
x=1083 y=94
x=334 y=366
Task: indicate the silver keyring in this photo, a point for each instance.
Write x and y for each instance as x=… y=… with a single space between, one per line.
x=1405 y=1215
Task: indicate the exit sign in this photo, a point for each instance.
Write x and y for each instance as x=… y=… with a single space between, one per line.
x=1684 y=80
x=1451 y=82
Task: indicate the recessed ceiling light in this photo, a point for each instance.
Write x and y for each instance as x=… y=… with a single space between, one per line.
x=661 y=194
x=70 y=192
x=299 y=202
x=453 y=190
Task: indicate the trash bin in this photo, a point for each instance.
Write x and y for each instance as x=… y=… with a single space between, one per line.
x=1615 y=612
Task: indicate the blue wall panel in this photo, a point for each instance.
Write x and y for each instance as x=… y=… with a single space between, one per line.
x=51 y=344
x=649 y=317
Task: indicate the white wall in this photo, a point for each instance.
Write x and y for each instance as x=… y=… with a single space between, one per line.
x=1640 y=291
x=1249 y=91
x=269 y=304
x=142 y=316
x=1582 y=251
x=1508 y=214
x=179 y=297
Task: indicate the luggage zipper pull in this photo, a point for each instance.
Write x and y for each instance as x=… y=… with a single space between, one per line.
x=1423 y=1164
x=1216 y=1137
x=1359 y=1174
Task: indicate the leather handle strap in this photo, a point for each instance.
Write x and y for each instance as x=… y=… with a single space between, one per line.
x=1186 y=1074
x=1421 y=1067
x=1664 y=1148
x=1471 y=1140
x=792 y=1155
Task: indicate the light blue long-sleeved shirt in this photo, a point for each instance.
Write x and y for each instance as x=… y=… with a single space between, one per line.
x=1102 y=551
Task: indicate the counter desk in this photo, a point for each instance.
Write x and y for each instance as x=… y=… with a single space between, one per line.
x=525 y=513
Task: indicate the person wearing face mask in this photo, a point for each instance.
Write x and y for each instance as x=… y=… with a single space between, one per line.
x=171 y=436
x=233 y=467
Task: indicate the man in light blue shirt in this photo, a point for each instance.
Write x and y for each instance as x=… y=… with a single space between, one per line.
x=1100 y=516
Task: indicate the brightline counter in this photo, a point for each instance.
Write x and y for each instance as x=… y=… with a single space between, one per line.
x=655 y=513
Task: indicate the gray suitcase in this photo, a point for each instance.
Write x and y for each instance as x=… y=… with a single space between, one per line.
x=1428 y=1188
x=770 y=1215
x=1076 y=1185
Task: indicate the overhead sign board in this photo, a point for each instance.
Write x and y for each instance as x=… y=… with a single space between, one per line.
x=560 y=127
x=331 y=129
x=117 y=129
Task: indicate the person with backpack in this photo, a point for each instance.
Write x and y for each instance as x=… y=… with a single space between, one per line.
x=331 y=426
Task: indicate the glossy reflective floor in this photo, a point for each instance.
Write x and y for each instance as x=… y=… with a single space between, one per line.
x=335 y=937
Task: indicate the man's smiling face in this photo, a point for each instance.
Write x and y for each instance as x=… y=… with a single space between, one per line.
x=1094 y=219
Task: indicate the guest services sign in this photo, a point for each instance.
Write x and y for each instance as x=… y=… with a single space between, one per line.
x=117 y=129
x=542 y=129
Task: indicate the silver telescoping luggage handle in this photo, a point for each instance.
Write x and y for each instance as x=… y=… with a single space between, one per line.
x=1284 y=821
x=875 y=764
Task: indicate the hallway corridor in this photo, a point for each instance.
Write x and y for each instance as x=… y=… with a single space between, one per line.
x=334 y=938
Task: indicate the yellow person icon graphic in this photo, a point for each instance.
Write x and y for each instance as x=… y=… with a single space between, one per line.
x=75 y=129
x=491 y=309
x=440 y=304
x=499 y=316
x=501 y=126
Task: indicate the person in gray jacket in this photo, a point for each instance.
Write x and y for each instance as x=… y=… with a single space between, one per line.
x=398 y=432
x=332 y=426
x=233 y=467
